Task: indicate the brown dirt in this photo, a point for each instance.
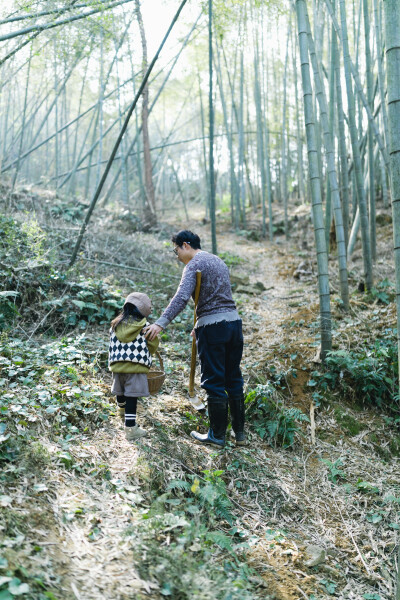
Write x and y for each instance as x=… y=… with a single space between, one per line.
x=290 y=493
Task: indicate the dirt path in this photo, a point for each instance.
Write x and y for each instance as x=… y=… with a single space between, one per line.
x=93 y=515
x=283 y=500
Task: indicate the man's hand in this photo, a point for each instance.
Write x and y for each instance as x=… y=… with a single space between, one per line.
x=152 y=331
x=193 y=334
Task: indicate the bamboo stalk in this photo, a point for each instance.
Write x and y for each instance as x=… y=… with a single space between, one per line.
x=118 y=141
x=319 y=230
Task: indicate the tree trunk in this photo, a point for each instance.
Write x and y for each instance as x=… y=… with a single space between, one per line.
x=333 y=180
x=260 y=139
x=366 y=245
x=241 y=141
x=370 y=94
x=233 y=182
x=342 y=144
x=284 y=156
x=381 y=75
x=299 y=142
x=315 y=183
x=211 y=131
x=150 y=216
x=392 y=43
x=21 y=141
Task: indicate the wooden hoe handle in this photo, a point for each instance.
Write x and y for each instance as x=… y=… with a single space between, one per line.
x=193 y=358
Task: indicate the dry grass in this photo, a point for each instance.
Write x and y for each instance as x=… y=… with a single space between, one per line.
x=100 y=524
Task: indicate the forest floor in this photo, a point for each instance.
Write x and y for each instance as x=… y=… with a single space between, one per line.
x=87 y=515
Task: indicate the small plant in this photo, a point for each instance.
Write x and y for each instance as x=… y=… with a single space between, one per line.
x=270 y=417
x=207 y=498
x=190 y=513
x=67 y=211
x=232 y=260
x=8 y=309
x=335 y=472
x=349 y=423
x=213 y=495
x=48 y=382
x=383 y=292
x=367 y=487
x=370 y=375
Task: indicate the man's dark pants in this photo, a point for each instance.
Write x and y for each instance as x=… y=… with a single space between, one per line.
x=220 y=349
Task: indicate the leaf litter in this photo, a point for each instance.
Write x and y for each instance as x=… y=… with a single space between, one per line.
x=102 y=515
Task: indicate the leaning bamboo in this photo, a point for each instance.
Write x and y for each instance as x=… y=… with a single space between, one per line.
x=51 y=24
x=136 y=137
x=118 y=141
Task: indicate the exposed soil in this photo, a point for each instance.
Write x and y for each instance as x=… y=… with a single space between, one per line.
x=287 y=499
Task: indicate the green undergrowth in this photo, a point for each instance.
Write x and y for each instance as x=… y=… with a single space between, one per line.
x=34 y=287
x=38 y=290
x=50 y=397
x=271 y=418
x=348 y=422
x=368 y=376
x=198 y=551
x=383 y=292
x=270 y=412
x=51 y=400
x=17 y=581
x=53 y=385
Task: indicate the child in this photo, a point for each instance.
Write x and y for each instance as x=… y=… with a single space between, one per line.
x=129 y=359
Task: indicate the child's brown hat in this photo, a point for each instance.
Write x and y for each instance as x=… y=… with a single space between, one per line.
x=141 y=301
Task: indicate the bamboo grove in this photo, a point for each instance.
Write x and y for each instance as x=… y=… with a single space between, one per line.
x=244 y=107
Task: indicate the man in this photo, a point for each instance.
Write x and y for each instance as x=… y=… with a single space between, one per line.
x=218 y=332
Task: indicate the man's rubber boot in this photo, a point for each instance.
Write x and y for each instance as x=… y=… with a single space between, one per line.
x=218 y=414
x=236 y=405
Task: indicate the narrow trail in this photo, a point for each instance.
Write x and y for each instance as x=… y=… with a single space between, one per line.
x=98 y=560
x=288 y=500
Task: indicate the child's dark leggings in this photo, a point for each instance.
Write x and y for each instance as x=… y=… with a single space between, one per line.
x=130 y=405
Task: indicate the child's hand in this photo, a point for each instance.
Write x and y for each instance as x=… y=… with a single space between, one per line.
x=152 y=331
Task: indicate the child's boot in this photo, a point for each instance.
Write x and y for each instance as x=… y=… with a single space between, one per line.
x=134 y=433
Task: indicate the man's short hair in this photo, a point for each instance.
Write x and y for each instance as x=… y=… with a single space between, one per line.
x=187 y=236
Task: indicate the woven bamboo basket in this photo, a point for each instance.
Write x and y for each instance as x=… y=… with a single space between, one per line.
x=156 y=377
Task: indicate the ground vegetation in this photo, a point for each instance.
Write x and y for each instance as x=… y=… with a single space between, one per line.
x=309 y=508
x=272 y=130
